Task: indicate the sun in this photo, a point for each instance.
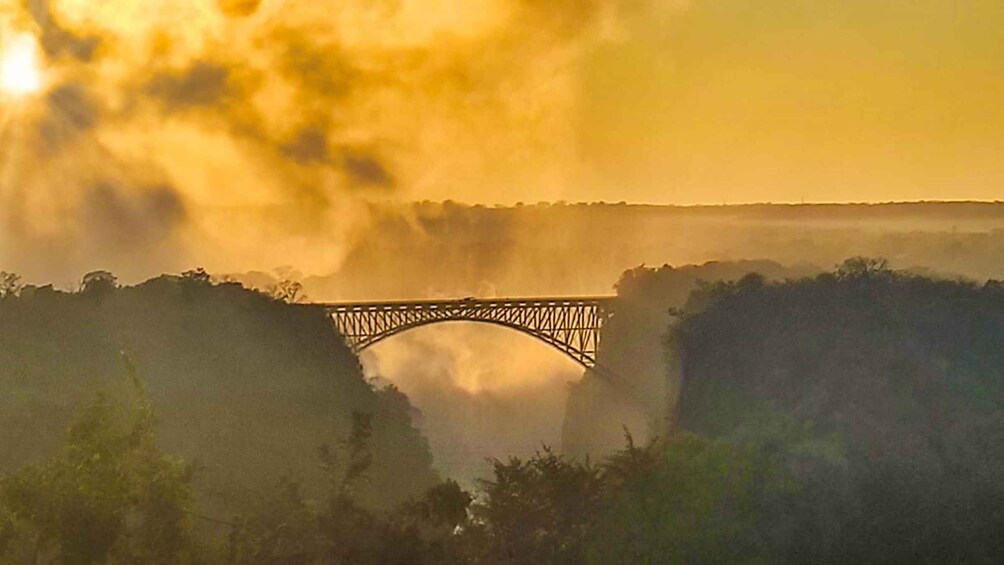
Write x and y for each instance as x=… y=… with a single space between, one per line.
x=20 y=66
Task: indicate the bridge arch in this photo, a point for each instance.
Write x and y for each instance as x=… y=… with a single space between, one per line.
x=570 y=325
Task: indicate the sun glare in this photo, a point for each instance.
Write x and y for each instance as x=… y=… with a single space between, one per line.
x=20 y=67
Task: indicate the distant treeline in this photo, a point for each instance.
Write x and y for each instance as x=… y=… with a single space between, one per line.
x=455 y=249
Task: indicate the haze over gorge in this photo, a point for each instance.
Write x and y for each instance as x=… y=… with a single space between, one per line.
x=647 y=281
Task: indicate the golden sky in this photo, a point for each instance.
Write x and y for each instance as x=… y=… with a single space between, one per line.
x=781 y=100
x=256 y=127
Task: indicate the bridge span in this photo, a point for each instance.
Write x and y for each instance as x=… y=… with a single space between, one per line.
x=572 y=325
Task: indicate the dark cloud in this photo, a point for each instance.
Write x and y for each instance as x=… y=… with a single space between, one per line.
x=71 y=111
x=208 y=89
x=365 y=170
x=238 y=8
x=308 y=146
x=56 y=40
x=132 y=217
x=201 y=85
x=321 y=70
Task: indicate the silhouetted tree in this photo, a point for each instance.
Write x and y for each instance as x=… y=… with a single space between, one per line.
x=287 y=291
x=862 y=268
x=536 y=511
x=446 y=505
x=98 y=283
x=289 y=528
x=197 y=276
x=10 y=284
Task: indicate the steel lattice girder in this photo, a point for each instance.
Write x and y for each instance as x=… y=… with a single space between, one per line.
x=571 y=325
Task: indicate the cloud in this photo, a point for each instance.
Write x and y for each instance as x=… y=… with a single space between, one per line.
x=57 y=41
x=294 y=112
x=320 y=67
x=308 y=146
x=365 y=170
x=133 y=217
x=239 y=8
x=201 y=85
x=71 y=111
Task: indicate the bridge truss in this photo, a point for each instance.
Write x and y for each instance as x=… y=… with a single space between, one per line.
x=571 y=325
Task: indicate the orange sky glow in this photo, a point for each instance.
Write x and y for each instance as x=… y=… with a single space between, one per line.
x=224 y=123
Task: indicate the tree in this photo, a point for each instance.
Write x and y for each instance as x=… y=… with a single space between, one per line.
x=536 y=511
x=10 y=284
x=98 y=283
x=857 y=268
x=111 y=495
x=287 y=291
x=287 y=527
x=702 y=501
x=355 y=449
x=446 y=505
x=197 y=276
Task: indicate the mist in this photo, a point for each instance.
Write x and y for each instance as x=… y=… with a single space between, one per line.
x=467 y=381
x=249 y=134
x=481 y=392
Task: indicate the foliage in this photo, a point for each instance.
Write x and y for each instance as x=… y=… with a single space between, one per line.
x=197 y=276
x=283 y=529
x=288 y=527
x=110 y=496
x=633 y=349
x=98 y=283
x=234 y=375
x=290 y=292
x=698 y=505
x=863 y=268
x=444 y=507
x=886 y=388
x=10 y=284
x=685 y=500
x=856 y=416
x=357 y=455
x=536 y=511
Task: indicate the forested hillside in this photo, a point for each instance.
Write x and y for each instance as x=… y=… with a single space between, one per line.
x=856 y=416
x=637 y=394
x=886 y=392
x=247 y=387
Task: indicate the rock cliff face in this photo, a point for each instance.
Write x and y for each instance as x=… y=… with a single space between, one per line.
x=246 y=387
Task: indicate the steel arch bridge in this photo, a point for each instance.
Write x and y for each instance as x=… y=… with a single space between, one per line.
x=570 y=325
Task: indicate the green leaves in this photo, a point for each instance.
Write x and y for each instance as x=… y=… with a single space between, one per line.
x=111 y=495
